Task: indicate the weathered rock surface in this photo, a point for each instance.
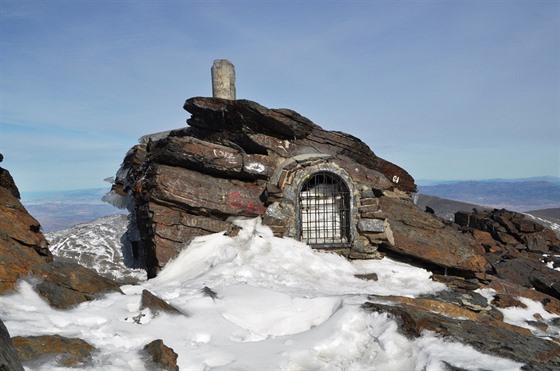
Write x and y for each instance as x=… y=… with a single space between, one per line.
x=68 y=352
x=67 y=284
x=427 y=238
x=9 y=359
x=156 y=304
x=239 y=158
x=479 y=326
x=162 y=355
x=514 y=247
x=22 y=245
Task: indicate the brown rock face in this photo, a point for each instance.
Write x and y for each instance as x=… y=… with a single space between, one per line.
x=162 y=355
x=22 y=245
x=156 y=304
x=514 y=247
x=69 y=352
x=68 y=284
x=9 y=359
x=427 y=238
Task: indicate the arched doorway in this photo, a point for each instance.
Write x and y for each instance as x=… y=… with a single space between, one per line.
x=324 y=210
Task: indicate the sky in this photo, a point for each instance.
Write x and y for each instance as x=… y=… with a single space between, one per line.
x=447 y=90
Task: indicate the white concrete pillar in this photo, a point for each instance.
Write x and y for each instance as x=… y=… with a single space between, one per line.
x=223 y=79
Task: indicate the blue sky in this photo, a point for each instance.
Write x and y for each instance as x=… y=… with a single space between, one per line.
x=445 y=89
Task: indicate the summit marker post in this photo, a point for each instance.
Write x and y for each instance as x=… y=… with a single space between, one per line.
x=223 y=79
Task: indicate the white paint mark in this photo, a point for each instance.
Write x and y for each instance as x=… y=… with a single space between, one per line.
x=228 y=156
x=255 y=166
x=285 y=146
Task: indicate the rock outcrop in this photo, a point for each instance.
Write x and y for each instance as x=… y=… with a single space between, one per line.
x=479 y=326
x=66 y=284
x=239 y=158
x=162 y=355
x=9 y=359
x=516 y=248
x=22 y=245
x=68 y=352
x=24 y=251
x=156 y=304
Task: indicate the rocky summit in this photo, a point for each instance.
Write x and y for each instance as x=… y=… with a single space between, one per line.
x=238 y=158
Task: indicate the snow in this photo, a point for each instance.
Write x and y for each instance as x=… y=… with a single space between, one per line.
x=96 y=245
x=519 y=316
x=550 y=264
x=278 y=305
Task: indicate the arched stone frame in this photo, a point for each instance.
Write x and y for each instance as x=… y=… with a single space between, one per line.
x=298 y=179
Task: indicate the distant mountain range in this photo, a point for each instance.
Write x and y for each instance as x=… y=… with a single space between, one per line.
x=430 y=182
x=512 y=194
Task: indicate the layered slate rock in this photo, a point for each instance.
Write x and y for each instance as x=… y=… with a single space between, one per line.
x=515 y=247
x=156 y=304
x=68 y=352
x=9 y=359
x=478 y=327
x=240 y=159
x=66 y=284
x=163 y=356
x=427 y=238
x=22 y=245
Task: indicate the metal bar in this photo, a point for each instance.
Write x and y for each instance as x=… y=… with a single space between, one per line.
x=325 y=210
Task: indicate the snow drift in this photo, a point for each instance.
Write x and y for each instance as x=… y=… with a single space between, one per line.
x=278 y=305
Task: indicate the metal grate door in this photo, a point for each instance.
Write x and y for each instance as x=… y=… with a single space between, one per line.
x=324 y=205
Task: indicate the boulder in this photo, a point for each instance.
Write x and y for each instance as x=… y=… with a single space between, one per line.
x=22 y=245
x=162 y=355
x=9 y=359
x=156 y=304
x=507 y=288
x=67 y=284
x=414 y=232
x=68 y=352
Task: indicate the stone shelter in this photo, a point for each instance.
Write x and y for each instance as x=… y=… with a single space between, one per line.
x=237 y=158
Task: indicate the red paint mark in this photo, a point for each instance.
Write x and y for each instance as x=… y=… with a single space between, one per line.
x=235 y=200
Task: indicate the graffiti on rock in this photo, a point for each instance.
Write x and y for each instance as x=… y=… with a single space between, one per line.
x=237 y=201
x=228 y=156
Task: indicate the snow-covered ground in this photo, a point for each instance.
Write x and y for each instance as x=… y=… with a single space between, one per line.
x=96 y=245
x=280 y=306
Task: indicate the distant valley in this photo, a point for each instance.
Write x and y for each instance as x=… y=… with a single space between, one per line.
x=517 y=195
x=64 y=209
x=538 y=197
